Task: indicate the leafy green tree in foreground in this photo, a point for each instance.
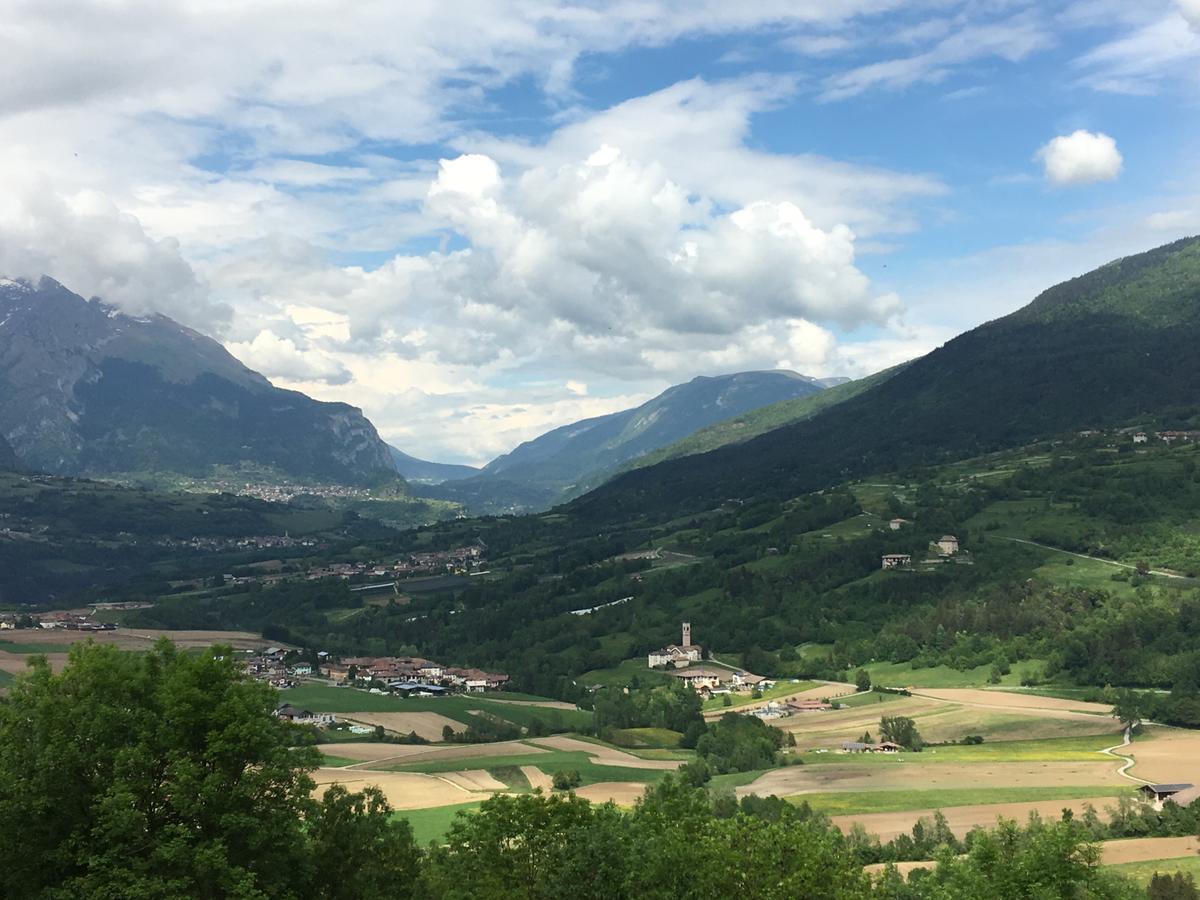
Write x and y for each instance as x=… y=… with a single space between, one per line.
x=164 y=774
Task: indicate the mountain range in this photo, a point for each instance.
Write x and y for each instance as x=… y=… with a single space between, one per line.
x=569 y=460
x=88 y=390
x=420 y=471
x=1110 y=348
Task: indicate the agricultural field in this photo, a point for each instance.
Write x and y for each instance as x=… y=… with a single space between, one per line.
x=460 y=709
x=430 y=784
x=55 y=643
x=781 y=692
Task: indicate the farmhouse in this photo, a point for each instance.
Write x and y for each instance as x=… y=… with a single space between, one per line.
x=897 y=524
x=795 y=707
x=1140 y=437
x=702 y=677
x=682 y=654
x=304 y=716
x=1160 y=793
x=860 y=747
x=947 y=545
x=897 y=560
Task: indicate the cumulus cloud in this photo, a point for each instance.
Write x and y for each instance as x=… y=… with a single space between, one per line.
x=605 y=260
x=1081 y=157
x=280 y=358
x=1190 y=10
x=94 y=249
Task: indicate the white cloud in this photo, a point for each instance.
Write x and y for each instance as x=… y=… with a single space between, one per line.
x=94 y=249
x=1190 y=10
x=280 y=358
x=1081 y=157
x=1012 y=40
x=1149 y=52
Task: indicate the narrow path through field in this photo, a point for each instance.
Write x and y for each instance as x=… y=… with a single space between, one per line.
x=1098 y=559
x=1127 y=761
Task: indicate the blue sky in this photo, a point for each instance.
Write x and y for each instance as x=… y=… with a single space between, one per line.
x=481 y=219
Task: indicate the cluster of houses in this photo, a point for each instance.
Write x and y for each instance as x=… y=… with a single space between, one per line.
x=684 y=662
x=272 y=666
x=1144 y=437
x=945 y=547
x=457 y=561
x=412 y=675
x=301 y=716
x=71 y=621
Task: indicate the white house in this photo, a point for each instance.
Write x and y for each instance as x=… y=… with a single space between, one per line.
x=947 y=545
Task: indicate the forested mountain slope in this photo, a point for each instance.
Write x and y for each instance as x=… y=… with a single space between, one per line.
x=1115 y=345
x=566 y=461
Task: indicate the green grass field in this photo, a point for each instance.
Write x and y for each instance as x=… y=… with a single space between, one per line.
x=432 y=824
x=1069 y=749
x=904 y=675
x=874 y=698
x=549 y=762
x=623 y=674
x=6 y=678
x=1142 y=872
x=320 y=698
x=338 y=761
x=646 y=738
x=852 y=803
x=17 y=647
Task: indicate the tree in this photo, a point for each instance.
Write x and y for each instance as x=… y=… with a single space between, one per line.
x=566 y=779
x=862 y=680
x=166 y=774
x=356 y=851
x=1179 y=886
x=1129 y=708
x=900 y=730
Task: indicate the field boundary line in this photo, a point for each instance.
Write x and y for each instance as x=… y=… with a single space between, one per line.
x=1112 y=562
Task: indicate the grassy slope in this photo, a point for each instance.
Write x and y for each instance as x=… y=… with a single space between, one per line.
x=848 y=803
x=549 y=762
x=432 y=824
x=1142 y=872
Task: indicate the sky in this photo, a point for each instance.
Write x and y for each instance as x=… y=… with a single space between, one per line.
x=481 y=219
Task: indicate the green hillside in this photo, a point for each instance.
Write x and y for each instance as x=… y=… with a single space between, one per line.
x=759 y=421
x=1111 y=347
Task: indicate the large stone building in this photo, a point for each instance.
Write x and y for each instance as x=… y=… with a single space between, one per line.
x=677 y=655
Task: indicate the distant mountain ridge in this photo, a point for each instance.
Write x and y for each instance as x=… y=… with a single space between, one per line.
x=8 y=458
x=86 y=389
x=568 y=460
x=1111 y=346
x=420 y=471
